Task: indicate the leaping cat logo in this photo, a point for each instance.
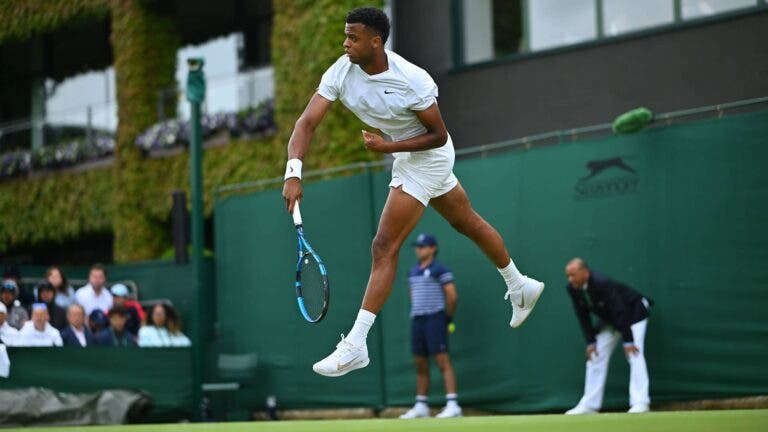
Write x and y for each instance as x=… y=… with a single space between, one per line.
x=598 y=166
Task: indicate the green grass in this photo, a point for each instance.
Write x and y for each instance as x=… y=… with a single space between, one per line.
x=693 y=421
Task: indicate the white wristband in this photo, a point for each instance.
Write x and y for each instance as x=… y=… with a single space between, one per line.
x=293 y=169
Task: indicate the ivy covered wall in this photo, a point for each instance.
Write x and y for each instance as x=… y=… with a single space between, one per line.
x=23 y=19
x=132 y=198
x=144 y=41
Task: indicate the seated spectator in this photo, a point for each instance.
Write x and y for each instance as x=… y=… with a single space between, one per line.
x=24 y=296
x=94 y=295
x=46 y=293
x=97 y=321
x=136 y=315
x=76 y=333
x=39 y=332
x=8 y=334
x=165 y=329
x=116 y=335
x=16 y=315
x=65 y=294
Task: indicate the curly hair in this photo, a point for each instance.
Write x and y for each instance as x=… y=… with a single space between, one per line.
x=371 y=17
x=172 y=319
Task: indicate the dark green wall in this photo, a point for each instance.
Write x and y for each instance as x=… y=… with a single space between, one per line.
x=161 y=372
x=689 y=231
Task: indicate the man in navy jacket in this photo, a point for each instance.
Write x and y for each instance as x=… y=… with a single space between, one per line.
x=622 y=313
x=76 y=333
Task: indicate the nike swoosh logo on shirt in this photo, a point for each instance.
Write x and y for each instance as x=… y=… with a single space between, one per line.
x=388 y=92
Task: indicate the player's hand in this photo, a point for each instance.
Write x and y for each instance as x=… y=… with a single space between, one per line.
x=591 y=351
x=292 y=191
x=374 y=142
x=630 y=350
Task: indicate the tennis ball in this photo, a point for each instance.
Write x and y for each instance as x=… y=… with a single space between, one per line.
x=451 y=328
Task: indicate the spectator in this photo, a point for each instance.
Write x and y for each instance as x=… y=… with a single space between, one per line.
x=65 y=294
x=117 y=335
x=39 y=332
x=165 y=329
x=136 y=315
x=16 y=315
x=46 y=293
x=12 y=272
x=97 y=321
x=76 y=333
x=8 y=334
x=94 y=295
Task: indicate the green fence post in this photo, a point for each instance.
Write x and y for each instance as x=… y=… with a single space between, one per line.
x=195 y=96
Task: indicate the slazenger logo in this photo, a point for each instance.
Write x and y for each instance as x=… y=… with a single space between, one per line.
x=607 y=177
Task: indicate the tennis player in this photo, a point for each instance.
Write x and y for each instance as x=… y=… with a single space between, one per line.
x=397 y=97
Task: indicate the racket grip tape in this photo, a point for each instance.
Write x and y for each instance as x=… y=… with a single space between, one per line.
x=296 y=214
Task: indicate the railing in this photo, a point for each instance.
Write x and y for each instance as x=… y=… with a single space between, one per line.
x=527 y=142
x=71 y=136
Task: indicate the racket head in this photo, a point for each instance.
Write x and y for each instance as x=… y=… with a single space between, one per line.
x=312 y=287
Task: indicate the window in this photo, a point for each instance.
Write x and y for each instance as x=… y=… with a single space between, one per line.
x=703 y=8
x=624 y=16
x=556 y=23
x=491 y=29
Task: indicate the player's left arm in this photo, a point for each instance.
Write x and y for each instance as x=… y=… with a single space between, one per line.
x=435 y=136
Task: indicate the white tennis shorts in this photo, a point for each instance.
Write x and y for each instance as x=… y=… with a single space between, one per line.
x=426 y=174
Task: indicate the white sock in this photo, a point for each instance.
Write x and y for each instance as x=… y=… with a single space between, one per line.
x=512 y=276
x=450 y=400
x=359 y=331
x=421 y=400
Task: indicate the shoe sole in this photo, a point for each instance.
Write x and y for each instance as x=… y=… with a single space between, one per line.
x=528 y=311
x=345 y=371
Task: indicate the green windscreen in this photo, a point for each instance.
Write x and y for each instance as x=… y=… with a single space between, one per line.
x=679 y=213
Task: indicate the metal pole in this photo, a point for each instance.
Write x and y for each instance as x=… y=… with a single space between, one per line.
x=195 y=96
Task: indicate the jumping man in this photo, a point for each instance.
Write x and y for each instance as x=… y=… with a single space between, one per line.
x=397 y=97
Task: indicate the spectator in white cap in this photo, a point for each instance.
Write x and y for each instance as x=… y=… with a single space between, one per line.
x=121 y=296
x=8 y=334
x=16 y=315
x=39 y=332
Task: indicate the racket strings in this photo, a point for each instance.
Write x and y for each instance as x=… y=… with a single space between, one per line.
x=313 y=288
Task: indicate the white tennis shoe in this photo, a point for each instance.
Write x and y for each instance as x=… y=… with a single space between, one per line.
x=580 y=410
x=418 y=411
x=523 y=300
x=639 y=408
x=450 y=411
x=344 y=359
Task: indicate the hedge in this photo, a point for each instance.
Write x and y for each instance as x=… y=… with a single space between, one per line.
x=24 y=19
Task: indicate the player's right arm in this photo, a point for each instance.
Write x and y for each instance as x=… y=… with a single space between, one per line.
x=299 y=144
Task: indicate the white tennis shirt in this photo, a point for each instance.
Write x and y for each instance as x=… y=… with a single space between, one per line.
x=385 y=101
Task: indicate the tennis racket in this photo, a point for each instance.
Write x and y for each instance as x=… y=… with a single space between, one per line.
x=312 y=288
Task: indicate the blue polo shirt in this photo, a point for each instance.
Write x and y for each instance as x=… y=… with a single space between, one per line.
x=427 y=295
